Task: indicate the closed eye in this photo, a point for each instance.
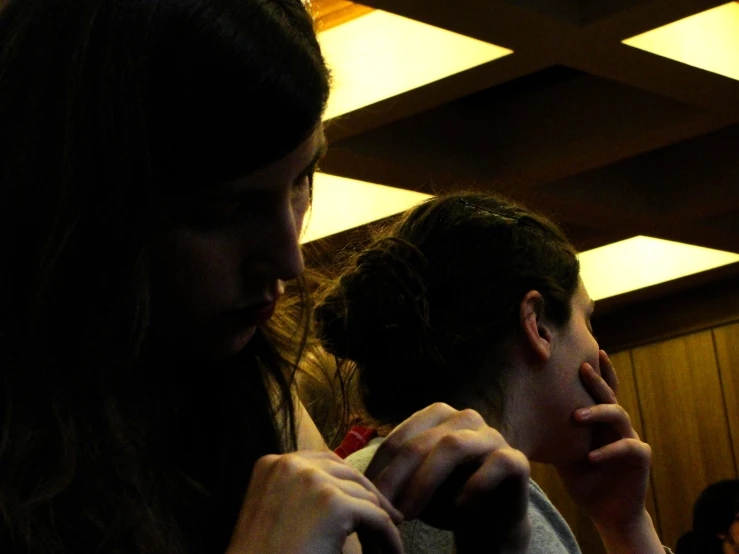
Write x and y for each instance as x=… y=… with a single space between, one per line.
x=306 y=176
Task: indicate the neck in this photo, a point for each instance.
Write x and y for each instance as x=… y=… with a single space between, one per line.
x=518 y=424
x=516 y=435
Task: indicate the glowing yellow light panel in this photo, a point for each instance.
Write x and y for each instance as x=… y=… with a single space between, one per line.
x=380 y=55
x=708 y=40
x=640 y=262
x=340 y=204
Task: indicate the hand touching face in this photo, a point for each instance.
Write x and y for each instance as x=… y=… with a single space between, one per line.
x=560 y=389
x=610 y=482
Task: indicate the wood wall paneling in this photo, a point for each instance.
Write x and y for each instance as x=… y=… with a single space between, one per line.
x=727 y=353
x=628 y=397
x=685 y=421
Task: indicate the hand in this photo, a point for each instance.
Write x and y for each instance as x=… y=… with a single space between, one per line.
x=309 y=502
x=611 y=483
x=452 y=470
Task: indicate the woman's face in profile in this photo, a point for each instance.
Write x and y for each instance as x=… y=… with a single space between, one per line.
x=219 y=265
x=562 y=386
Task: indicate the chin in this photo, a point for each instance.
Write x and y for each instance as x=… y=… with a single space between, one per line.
x=227 y=347
x=581 y=443
x=240 y=341
x=569 y=446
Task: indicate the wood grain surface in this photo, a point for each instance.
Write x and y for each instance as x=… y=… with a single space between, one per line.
x=330 y=13
x=727 y=353
x=685 y=422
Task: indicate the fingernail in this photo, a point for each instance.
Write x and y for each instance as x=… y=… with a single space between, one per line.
x=397 y=515
x=583 y=413
x=595 y=455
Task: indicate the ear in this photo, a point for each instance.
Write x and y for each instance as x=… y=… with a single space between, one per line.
x=537 y=331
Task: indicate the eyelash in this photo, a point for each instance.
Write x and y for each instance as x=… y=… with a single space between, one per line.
x=303 y=182
x=215 y=220
x=308 y=179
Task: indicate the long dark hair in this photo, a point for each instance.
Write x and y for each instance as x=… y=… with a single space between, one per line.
x=424 y=313
x=107 y=110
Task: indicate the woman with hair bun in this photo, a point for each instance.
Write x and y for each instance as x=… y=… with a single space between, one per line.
x=474 y=301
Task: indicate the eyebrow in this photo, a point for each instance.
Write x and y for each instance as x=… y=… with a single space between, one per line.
x=233 y=191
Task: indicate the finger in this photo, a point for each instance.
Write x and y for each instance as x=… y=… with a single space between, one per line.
x=403 y=460
x=312 y=463
x=597 y=386
x=636 y=452
x=375 y=529
x=340 y=470
x=418 y=423
x=503 y=464
x=499 y=493
x=607 y=371
x=360 y=492
x=450 y=454
x=610 y=414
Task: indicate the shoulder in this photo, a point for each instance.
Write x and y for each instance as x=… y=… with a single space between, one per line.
x=550 y=533
x=360 y=459
x=308 y=435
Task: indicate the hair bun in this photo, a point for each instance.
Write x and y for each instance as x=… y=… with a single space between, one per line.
x=378 y=308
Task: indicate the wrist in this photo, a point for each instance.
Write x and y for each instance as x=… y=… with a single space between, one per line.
x=635 y=535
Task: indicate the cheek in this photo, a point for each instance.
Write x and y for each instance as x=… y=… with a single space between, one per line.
x=196 y=275
x=734 y=532
x=594 y=353
x=589 y=347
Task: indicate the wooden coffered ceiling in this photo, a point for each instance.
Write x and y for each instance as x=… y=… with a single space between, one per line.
x=609 y=140
x=330 y=13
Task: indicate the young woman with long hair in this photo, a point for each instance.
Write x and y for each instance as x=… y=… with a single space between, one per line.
x=156 y=162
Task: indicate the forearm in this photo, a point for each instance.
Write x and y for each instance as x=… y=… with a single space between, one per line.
x=638 y=538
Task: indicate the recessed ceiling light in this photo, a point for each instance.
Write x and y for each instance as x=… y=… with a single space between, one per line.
x=380 y=55
x=708 y=40
x=640 y=262
x=340 y=204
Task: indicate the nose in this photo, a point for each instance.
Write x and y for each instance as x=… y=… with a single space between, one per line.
x=281 y=256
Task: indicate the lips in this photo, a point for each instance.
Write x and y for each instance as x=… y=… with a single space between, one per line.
x=257 y=314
